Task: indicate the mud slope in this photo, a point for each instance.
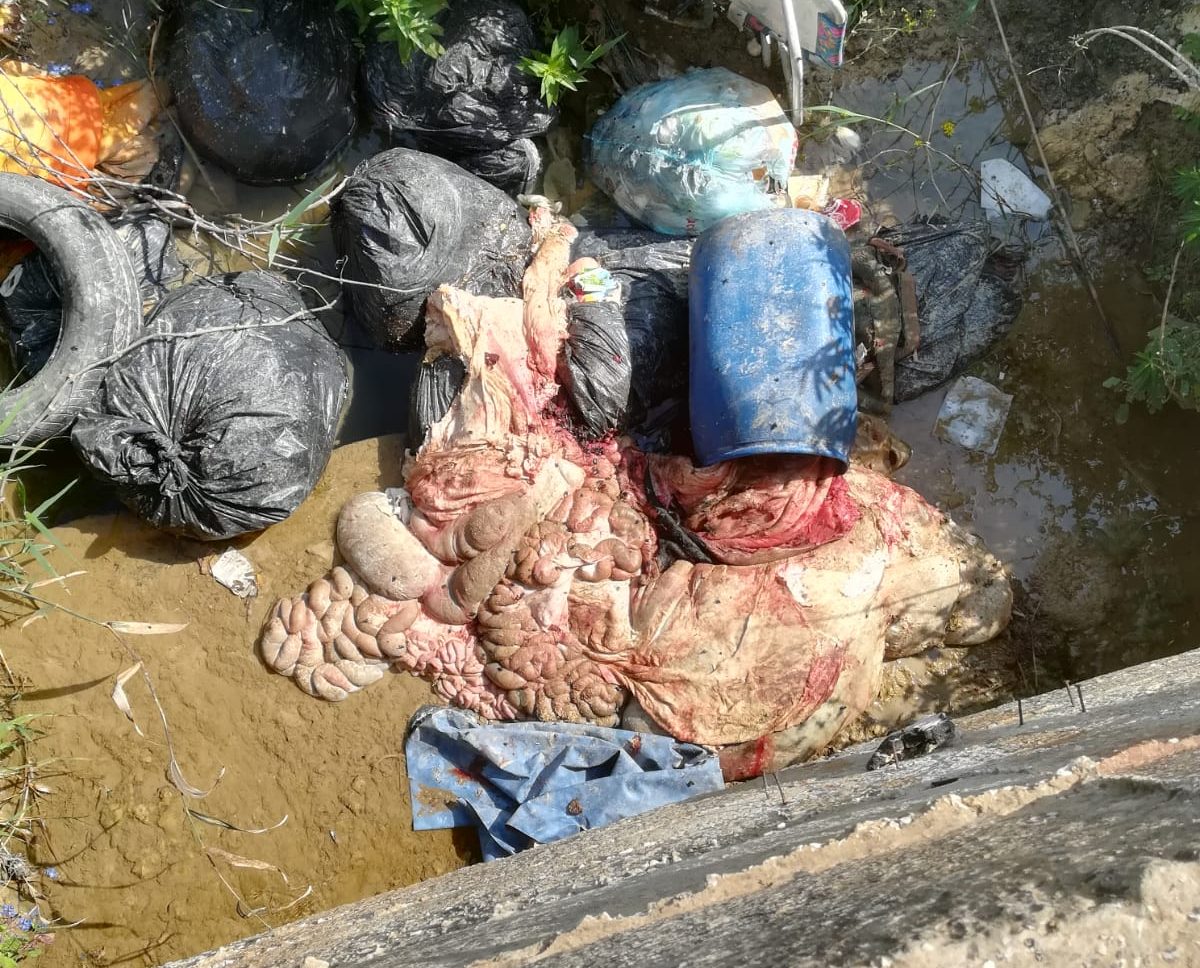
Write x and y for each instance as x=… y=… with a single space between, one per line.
x=132 y=865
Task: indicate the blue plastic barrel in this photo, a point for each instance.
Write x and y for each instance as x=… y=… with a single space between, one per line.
x=772 y=338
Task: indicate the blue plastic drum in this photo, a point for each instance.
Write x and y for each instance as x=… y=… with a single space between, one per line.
x=772 y=338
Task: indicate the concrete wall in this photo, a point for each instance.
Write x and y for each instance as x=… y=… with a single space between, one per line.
x=1072 y=839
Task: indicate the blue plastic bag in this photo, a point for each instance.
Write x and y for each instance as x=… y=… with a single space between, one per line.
x=682 y=154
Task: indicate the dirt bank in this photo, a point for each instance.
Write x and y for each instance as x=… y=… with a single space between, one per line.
x=133 y=866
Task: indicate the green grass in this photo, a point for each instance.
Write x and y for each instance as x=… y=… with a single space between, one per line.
x=26 y=545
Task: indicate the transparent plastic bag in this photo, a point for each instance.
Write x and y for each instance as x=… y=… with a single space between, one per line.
x=682 y=154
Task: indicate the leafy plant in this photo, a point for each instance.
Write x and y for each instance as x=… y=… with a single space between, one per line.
x=566 y=64
x=1167 y=370
x=412 y=24
x=25 y=540
x=904 y=18
x=1187 y=189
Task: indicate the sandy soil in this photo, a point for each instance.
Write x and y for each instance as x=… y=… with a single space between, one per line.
x=132 y=864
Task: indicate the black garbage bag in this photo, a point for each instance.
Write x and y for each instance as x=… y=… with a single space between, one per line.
x=469 y=102
x=264 y=88
x=407 y=223
x=438 y=382
x=31 y=299
x=513 y=168
x=595 y=367
x=967 y=298
x=216 y=435
x=653 y=272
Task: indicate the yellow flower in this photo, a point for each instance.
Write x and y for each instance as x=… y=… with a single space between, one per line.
x=948 y=129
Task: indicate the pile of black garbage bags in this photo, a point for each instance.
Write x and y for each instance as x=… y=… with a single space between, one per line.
x=221 y=417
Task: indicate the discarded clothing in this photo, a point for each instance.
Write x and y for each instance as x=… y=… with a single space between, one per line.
x=523 y=784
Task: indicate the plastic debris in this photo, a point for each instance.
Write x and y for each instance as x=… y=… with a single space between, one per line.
x=809 y=191
x=1006 y=190
x=596 y=368
x=917 y=739
x=772 y=338
x=973 y=415
x=473 y=104
x=960 y=297
x=265 y=88
x=234 y=571
x=531 y=783
x=31 y=300
x=845 y=212
x=682 y=154
x=821 y=24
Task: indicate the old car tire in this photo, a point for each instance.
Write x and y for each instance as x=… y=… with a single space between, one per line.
x=101 y=305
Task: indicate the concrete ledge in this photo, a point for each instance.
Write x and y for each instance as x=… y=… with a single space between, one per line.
x=1073 y=833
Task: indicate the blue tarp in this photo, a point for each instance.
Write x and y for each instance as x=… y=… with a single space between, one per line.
x=532 y=783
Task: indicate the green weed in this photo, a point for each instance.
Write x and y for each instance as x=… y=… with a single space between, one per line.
x=26 y=544
x=412 y=24
x=565 y=65
x=1166 y=371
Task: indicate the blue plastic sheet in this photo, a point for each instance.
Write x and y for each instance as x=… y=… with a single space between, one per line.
x=532 y=783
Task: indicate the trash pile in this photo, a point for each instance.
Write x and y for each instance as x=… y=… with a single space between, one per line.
x=647 y=507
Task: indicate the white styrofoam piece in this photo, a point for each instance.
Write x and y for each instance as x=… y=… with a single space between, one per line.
x=973 y=415
x=1006 y=190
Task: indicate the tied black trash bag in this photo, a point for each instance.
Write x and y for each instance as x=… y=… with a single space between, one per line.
x=265 y=88
x=653 y=273
x=407 y=223
x=217 y=435
x=595 y=366
x=472 y=103
x=31 y=300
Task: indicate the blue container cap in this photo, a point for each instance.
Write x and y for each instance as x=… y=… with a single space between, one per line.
x=771 y=311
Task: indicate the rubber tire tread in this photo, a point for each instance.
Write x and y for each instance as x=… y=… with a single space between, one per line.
x=102 y=306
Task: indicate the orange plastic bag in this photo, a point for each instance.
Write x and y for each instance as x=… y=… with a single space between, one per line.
x=64 y=128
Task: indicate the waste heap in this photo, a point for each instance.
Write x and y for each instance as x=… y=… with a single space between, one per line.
x=519 y=570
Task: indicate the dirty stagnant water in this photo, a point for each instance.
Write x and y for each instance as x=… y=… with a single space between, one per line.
x=1096 y=520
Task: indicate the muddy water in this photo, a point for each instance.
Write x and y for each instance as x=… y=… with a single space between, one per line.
x=1096 y=520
